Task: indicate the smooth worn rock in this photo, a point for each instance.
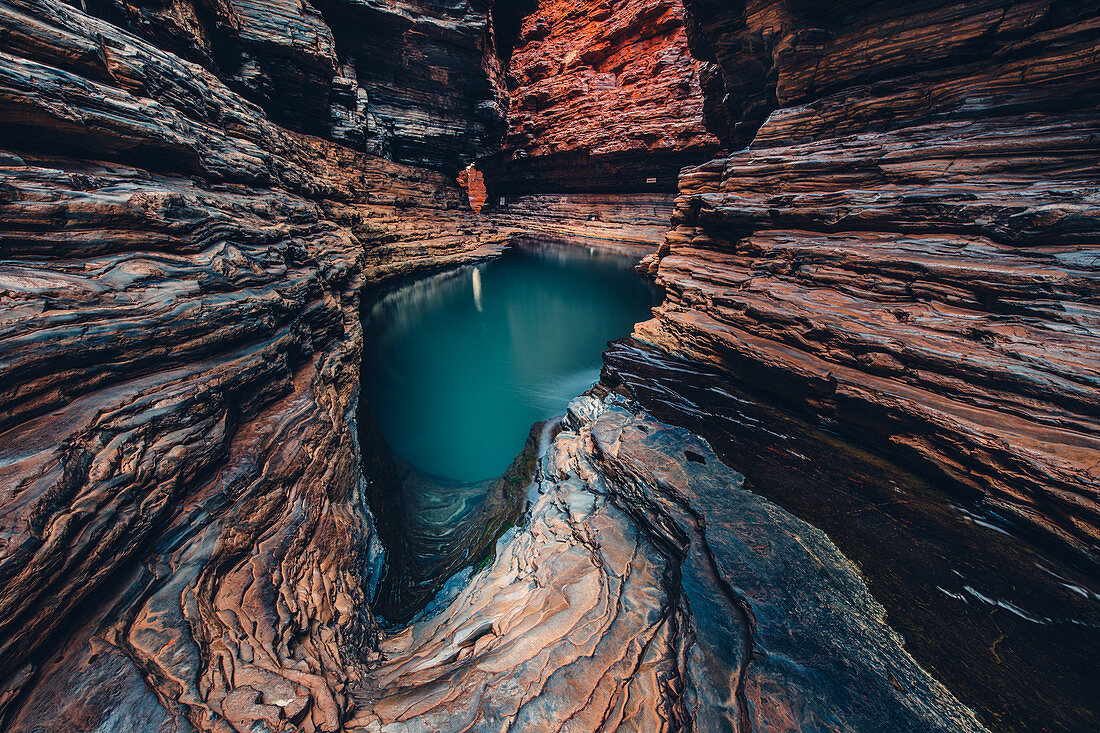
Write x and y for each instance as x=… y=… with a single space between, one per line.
x=649 y=591
x=978 y=605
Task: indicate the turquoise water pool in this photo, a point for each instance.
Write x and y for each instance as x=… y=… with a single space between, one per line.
x=459 y=365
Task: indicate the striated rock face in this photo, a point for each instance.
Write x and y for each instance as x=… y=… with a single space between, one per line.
x=640 y=218
x=190 y=212
x=604 y=99
x=908 y=248
x=978 y=606
x=417 y=82
x=649 y=592
x=184 y=539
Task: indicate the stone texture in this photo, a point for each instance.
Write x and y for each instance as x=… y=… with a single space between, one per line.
x=185 y=539
x=603 y=96
x=908 y=247
x=473 y=183
x=639 y=218
x=979 y=606
x=189 y=215
x=417 y=82
x=604 y=99
x=650 y=592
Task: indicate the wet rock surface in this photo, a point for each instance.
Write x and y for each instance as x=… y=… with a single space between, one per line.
x=432 y=527
x=649 y=591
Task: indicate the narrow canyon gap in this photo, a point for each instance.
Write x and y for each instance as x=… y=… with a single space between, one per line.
x=841 y=473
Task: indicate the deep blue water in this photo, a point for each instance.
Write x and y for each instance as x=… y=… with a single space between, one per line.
x=459 y=365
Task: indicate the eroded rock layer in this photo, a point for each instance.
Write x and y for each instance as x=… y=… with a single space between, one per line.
x=189 y=215
x=605 y=108
x=979 y=607
x=640 y=218
x=648 y=591
x=603 y=97
x=908 y=248
x=417 y=82
x=185 y=539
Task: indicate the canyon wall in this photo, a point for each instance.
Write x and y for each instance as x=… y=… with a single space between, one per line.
x=416 y=82
x=185 y=540
x=908 y=246
x=193 y=197
x=605 y=108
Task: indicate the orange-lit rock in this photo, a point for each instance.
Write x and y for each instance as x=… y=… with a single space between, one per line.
x=473 y=182
x=184 y=538
x=908 y=246
x=604 y=97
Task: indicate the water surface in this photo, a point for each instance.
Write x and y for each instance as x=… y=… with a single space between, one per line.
x=459 y=365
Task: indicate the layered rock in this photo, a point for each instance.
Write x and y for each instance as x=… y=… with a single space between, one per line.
x=907 y=249
x=185 y=537
x=473 y=183
x=417 y=82
x=649 y=591
x=979 y=607
x=640 y=218
x=603 y=96
x=605 y=108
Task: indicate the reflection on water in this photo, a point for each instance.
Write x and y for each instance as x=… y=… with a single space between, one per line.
x=460 y=365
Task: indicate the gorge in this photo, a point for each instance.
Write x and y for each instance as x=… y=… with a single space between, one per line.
x=844 y=475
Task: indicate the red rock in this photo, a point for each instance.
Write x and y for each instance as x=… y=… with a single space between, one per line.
x=604 y=99
x=179 y=349
x=907 y=246
x=473 y=182
x=184 y=537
